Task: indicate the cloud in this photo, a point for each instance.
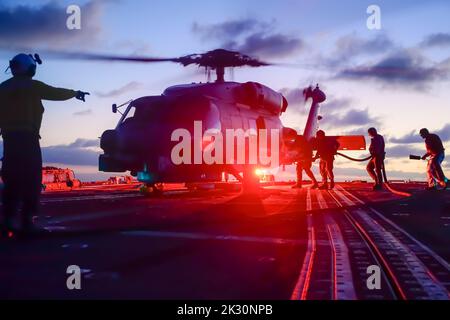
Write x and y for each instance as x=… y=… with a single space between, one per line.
x=359 y=131
x=414 y=137
x=251 y=37
x=350 y=46
x=81 y=152
x=227 y=30
x=86 y=112
x=444 y=133
x=271 y=46
x=334 y=103
x=84 y=143
x=445 y=64
x=402 y=67
x=436 y=40
x=77 y=153
x=403 y=151
x=349 y=173
x=133 y=85
x=351 y=117
x=23 y=25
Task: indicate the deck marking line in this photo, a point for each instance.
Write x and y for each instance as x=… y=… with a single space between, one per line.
x=350 y=194
x=343 y=287
x=308 y=200
x=346 y=200
x=302 y=285
x=322 y=203
x=372 y=247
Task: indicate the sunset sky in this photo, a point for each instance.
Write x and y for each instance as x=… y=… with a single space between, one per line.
x=396 y=78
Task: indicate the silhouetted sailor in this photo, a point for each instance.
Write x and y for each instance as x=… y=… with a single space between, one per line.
x=304 y=161
x=326 y=150
x=375 y=165
x=436 y=154
x=21 y=113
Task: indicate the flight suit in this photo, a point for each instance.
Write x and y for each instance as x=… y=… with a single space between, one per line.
x=375 y=165
x=304 y=161
x=436 y=151
x=21 y=113
x=326 y=150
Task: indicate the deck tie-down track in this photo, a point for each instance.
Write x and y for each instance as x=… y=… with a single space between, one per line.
x=343 y=244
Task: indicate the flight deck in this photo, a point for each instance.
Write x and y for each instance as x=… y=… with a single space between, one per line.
x=283 y=243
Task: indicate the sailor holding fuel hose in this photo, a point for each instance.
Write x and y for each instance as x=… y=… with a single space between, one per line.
x=435 y=155
x=376 y=163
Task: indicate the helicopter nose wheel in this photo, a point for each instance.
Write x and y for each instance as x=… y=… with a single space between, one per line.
x=152 y=189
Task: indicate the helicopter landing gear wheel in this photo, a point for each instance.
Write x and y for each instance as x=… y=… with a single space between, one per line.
x=152 y=189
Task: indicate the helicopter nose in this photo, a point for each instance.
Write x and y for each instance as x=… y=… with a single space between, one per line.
x=109 y=141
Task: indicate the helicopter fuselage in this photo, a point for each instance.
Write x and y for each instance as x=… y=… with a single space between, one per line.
x=142 y=141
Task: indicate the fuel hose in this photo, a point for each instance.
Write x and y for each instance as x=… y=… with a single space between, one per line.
x=354 y=159
x=383 y=170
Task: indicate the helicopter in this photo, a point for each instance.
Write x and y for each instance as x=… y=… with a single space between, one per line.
x=143 y=140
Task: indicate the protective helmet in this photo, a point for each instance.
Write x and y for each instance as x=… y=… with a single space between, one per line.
x=23 y=65
x=320 y=134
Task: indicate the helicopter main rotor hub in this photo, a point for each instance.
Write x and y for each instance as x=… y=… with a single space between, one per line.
x=220 y=59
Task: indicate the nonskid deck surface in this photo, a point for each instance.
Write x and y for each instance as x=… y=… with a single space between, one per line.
x=282 y=244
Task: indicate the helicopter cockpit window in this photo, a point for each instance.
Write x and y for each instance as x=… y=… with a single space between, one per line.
x=147 y=110
x=130 y=113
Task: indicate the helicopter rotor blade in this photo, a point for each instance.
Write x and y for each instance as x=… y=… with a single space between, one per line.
x=65 y=55
x=218 y=57
x=106 y=57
